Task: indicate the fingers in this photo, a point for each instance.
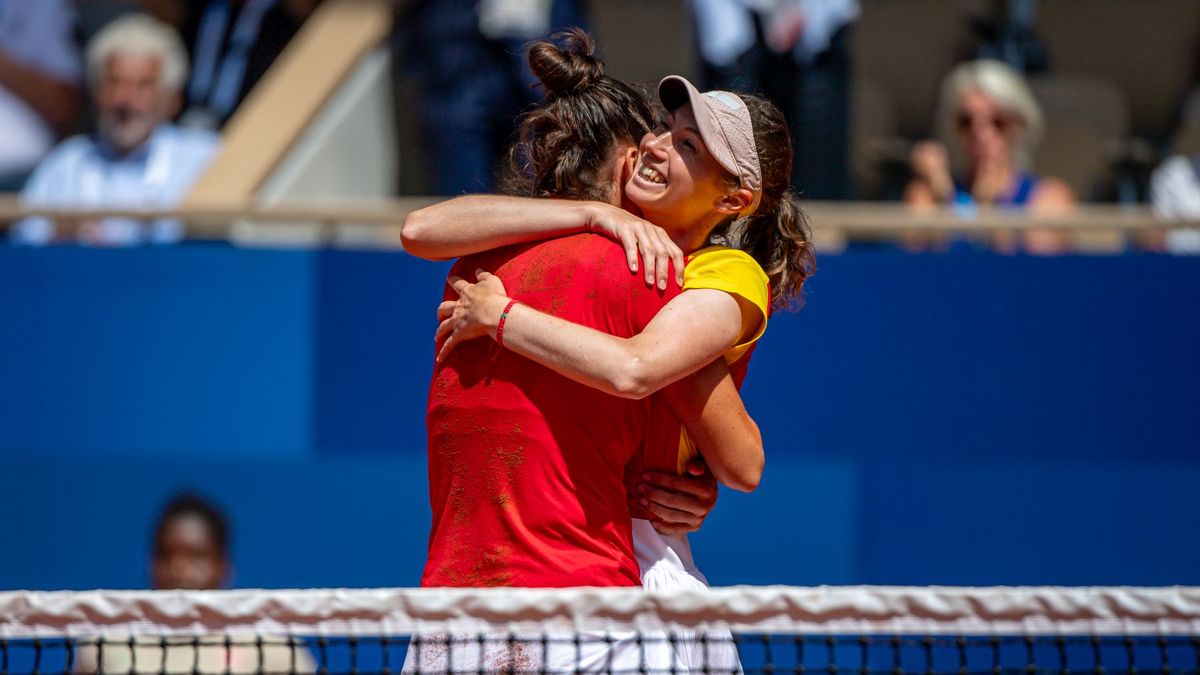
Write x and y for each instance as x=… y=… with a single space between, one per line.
x=662 y=266
x=446 y=309
x=444 y=329
x=663 y=527
x=631 y=252
x=457 y=283
x=697 y=487
x=682 y=520
x=447 y=347
x=674 y=501
x=676 y=258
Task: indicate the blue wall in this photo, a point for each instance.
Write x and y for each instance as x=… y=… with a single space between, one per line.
x=959 y=419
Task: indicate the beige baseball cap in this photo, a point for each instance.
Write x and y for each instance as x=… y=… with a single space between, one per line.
x=724 y=124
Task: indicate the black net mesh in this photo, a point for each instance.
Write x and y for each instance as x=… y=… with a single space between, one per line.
x=685 y=653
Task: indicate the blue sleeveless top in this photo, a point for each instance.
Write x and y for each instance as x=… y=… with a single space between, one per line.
x=1018 y=197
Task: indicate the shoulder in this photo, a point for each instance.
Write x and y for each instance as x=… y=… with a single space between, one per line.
x=66 y=153
x=731 y=270
x=722 y=262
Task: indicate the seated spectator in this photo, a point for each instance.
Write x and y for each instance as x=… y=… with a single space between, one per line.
x=137 y=158
x=1175 y=193
x=39 y=83
x=988 y=112
x=190 y=551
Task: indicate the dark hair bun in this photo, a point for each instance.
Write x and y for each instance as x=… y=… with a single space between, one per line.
x=565 y=63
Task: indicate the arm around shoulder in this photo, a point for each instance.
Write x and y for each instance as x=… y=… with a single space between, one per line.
x=474 y=223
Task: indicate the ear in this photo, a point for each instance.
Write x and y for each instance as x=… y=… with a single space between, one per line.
x=735 y=202
x=629 y=161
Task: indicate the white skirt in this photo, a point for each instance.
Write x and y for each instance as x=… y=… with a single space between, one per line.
x=666 y=564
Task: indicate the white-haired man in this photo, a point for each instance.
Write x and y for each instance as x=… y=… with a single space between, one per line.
x=137 y=159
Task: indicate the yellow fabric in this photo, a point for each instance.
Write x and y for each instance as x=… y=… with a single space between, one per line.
x=735 y=272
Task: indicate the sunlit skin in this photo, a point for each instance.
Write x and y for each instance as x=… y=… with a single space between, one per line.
x=689 y=193
x=188 y=556
x=130 y=101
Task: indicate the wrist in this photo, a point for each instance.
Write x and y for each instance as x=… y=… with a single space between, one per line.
x=508 y=307
x=588 y=215
x=496 y=306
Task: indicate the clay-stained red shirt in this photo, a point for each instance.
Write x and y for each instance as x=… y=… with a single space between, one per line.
x=526 y=466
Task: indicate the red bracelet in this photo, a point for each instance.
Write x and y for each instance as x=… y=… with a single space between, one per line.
x=500 y=325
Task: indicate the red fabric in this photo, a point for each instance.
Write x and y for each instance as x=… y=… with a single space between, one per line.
x=526 y=467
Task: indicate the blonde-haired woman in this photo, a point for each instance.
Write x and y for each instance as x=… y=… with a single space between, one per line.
x=994 y=124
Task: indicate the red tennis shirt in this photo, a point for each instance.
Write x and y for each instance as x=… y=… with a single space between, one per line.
x=526 y=466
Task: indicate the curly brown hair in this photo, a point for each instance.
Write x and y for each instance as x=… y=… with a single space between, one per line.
x=564 y=145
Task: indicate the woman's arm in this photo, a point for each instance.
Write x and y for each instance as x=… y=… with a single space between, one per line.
x=693 y=329
x=474 y=223
x=711 y=409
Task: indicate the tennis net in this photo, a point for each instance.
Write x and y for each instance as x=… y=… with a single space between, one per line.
x=724 y=630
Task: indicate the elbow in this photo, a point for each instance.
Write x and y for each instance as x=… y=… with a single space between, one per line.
x=745 y=473
x=416 y=235
x=747 y=478
x=632 y=380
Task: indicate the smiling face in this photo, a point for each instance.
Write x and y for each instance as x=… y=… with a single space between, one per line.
x=676 y=182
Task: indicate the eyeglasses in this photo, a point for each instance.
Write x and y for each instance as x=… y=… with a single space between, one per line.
x=1000 y=123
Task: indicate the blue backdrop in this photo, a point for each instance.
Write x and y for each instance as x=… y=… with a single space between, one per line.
x=959 y=419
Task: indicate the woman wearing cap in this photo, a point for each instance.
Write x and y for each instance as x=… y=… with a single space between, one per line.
x=701 y=176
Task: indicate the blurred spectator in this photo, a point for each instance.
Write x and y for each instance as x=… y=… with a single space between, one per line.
x=1175 y=193
x=137 y=159
x=994 y=124
x=796 y=53
x=466 y=56
x=234 y=43
x=190 y=551
x=39 y=76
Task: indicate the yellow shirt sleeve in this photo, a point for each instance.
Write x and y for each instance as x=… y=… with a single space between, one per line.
x=733 y=271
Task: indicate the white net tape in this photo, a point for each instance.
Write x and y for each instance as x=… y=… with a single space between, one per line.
x=859 y=610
